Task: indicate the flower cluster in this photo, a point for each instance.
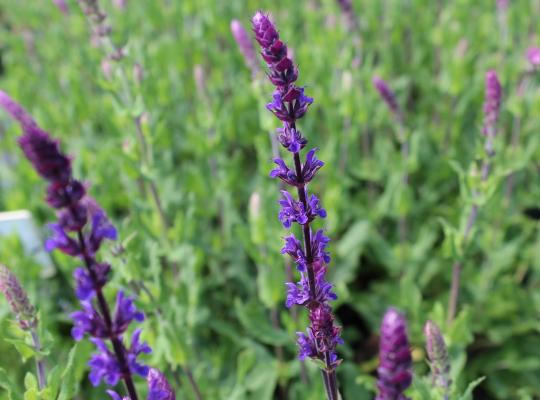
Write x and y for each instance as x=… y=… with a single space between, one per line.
x=395 y=361
x=438 y=356
x=81 y=228
x=24 y=311
x=290 y=103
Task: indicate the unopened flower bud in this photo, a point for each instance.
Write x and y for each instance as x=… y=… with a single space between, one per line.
x=438 y=356
x=17 y=298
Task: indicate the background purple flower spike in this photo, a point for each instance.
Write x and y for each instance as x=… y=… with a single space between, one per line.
x=395 y=361
x=492 y=103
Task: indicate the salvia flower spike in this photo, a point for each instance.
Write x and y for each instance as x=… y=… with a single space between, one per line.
x=289 y=104
x=438 y=357
x=81 y=228
x=395 y=361
x=243 y=40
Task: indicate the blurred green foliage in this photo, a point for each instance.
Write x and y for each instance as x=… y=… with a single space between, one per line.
x=212 y=282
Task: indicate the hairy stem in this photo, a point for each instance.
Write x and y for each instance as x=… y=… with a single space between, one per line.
x=40 y=364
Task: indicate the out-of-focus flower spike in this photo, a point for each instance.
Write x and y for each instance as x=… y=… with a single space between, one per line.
x=492 y=103
x=17 y=299
x=438 y=356
x=388 y=97
x=245 y=45
x=395 y=361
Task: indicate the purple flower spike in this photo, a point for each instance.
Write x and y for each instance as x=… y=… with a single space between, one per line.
x=533 y=55
x=158 y=386
x=81 y=228
x=289 y=104
x=387 y=95
x=395 y=361
x=245 y=45
x=492 y=103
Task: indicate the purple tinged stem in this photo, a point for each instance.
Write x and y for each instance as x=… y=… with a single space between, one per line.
x=492 y=104
x=118 y=346
x=40 y=364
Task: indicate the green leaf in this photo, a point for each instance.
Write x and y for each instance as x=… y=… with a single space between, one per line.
x=30 y=381
x=70 y=383
x=467 y=395
x=11 y=389
x=257 y=324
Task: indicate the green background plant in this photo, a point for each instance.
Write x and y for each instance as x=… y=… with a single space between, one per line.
x=221 y=315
